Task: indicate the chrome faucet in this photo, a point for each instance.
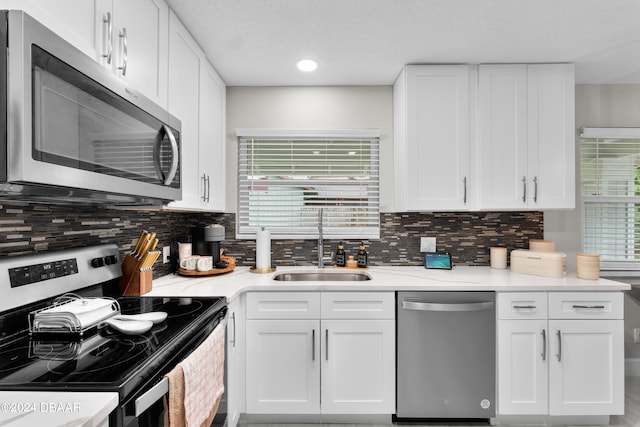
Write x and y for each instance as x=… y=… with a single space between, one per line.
x=321 y=257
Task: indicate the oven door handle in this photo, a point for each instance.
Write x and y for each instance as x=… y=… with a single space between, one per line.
x=151 y=396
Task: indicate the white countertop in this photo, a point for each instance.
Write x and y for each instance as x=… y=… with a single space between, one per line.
x=461 y=278
x=44 y=408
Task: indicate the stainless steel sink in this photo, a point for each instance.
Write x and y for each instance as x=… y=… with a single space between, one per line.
x=322 y=276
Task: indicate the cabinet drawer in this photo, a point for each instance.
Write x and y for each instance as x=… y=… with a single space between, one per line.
x=586 y=305
x=283 y=305
x=358 y=305
x=522 y=305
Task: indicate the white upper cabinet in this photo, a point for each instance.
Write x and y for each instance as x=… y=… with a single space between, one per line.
x=73 y=20
x=197 y=97
x=128 y=37
x=525 y=137
x=131 y=40
x=431 y=138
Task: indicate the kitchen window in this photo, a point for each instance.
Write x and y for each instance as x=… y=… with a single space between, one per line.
x=285 y=177
x=610 y=189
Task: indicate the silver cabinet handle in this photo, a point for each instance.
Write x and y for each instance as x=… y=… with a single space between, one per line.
x=535 y=189
x=544 y=344
x=588 y=307
x=313 y=345
x=464 y=181
x=108 y=37
x=204 y=187
x=524 y=307
x=326 y=347
x=431 y=306
x=123 y=37
x=559 y=354
x=208 y=188
x=524 y=189
x=233 y=321
x=175 y=155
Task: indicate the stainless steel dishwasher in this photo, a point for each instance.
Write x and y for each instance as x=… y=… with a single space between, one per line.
x=446 y=355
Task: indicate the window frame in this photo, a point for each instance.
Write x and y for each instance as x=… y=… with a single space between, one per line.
x=371 y=230
x=610 y=202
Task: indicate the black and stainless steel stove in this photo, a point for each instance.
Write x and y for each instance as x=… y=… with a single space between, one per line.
x=101 y=359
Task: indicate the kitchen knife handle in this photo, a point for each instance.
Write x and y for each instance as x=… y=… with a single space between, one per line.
x=123 y=37
x=524 y=189
x=544 y=344
x=108 y=37
x=559 y=354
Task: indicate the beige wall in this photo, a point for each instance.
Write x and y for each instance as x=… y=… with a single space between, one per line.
x=329 y=107
x=597 y=106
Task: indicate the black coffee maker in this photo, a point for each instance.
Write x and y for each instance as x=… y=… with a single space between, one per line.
x=206 y=241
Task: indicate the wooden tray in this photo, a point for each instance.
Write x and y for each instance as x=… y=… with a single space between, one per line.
x=216 y=271
x=350 y=268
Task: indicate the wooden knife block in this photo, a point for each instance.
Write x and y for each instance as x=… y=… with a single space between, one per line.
x=134 y=282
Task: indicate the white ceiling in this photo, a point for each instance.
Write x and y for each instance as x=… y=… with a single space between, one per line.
x=366 y=42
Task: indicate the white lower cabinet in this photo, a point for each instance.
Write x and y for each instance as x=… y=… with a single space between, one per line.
x=304 y=357
x=560 y=354
x=235 y=361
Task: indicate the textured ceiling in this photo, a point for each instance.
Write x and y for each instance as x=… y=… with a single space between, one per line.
x=366 y=42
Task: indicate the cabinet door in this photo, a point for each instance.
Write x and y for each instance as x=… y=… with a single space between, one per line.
x=502 y=136
x=551 y=136
x=586 y=374
x=73 y=20
x=184 y=95
x=522 y=367
x=432 y=163
x=235 y=362
x=358 y=366
x=212 y=137
x=144 y=50
x=283 y=367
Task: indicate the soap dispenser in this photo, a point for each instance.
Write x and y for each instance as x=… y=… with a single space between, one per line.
x=340 y=256
x=361 y=256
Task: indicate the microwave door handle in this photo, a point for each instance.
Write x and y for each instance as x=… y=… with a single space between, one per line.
x=175 y=155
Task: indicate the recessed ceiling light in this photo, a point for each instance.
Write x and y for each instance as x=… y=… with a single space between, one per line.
x=307 y=65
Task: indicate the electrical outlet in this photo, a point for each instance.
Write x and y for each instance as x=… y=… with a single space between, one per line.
x=636 y=335
x=166 y=254
x=427 y=244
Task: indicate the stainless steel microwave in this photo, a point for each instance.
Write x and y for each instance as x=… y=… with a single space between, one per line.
x=70 y=130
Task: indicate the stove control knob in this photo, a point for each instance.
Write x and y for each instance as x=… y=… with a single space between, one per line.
x=111 y=259
x=97 y=262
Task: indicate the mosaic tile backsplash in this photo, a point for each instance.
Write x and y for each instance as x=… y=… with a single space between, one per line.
x=27 y=228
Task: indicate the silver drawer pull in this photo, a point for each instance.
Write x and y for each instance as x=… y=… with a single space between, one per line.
x=589 y=307
x=544 y=345
x=524 y=307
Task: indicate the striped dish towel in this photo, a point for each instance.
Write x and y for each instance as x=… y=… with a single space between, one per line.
x=204 y=378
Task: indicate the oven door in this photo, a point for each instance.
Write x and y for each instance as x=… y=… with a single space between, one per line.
x=145 y=408
x=75 y=125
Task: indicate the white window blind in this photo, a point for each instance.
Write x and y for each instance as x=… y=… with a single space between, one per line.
x=285 y=177
x=610 y=188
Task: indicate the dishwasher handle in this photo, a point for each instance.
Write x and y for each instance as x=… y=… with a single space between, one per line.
x=439 y=306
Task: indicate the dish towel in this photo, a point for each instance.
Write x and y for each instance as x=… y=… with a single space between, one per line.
x=197 y=383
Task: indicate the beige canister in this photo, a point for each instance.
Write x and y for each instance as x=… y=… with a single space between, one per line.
x=588 y=266
x=498 y=257
x=538 y=245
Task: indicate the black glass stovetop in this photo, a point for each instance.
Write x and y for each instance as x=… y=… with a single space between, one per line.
x=105 y=360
